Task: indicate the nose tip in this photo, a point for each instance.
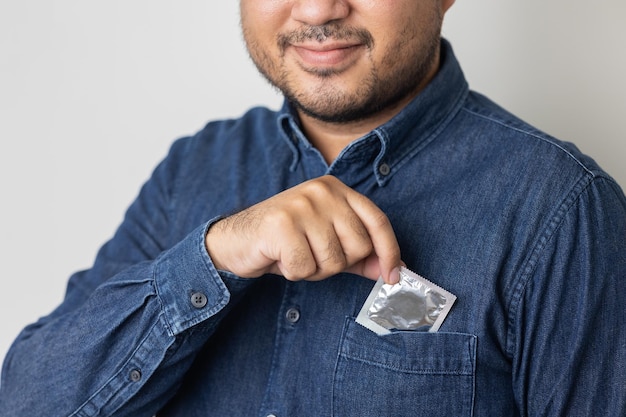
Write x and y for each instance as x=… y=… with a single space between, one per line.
x=319 y=12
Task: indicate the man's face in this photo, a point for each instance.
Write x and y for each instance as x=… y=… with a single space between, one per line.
x=344 y=60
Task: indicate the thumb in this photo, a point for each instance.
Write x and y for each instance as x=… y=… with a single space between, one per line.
x=371 y=268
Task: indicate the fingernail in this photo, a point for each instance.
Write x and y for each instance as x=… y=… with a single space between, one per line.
x=394 y=276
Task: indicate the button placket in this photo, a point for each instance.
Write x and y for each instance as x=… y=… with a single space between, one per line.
x=292 y=315
x=384 y=169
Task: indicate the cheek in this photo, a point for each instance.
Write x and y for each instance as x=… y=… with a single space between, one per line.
x=407 y=27
x=261 y=20
x=264 y=13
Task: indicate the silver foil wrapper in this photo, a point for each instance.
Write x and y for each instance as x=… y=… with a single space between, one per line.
x=414 y=303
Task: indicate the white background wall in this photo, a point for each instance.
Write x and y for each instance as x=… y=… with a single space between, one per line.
x=93 y=93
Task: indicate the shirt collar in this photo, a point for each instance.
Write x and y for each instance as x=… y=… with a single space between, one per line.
x=390 y=145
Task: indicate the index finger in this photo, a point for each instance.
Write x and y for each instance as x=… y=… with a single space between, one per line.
x=381 y=233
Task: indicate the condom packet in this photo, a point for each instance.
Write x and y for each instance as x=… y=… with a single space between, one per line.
x=414 y=303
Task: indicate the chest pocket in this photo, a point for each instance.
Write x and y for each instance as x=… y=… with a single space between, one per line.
x=403 y=374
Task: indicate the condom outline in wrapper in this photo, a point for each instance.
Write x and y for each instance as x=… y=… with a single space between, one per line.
x=414 y=303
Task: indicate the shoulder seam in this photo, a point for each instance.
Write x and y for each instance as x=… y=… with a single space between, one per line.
x=534 y=135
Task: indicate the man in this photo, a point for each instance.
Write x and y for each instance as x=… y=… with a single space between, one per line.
x=381 y=157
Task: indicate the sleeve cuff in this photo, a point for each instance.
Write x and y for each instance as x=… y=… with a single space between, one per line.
x=190 y=288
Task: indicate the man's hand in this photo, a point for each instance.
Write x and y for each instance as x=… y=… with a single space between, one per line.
x=309 y=232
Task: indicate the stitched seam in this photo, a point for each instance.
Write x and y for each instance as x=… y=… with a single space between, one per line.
x=114 y=386
x=532 y=134
x=530 y=264
x=410 y=154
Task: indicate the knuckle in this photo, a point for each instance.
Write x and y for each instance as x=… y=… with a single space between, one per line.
x=278 y=219
x=363 y=249
x=301 y=203
x=358 y=231
x=299 y=265
x=394 y=253
x=380 y=221
x=334 y=257
x=318 y=187
x=333 y=264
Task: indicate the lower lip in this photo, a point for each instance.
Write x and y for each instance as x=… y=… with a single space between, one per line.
x=330 y=58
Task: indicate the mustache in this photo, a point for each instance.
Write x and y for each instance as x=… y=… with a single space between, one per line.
x=321 y=33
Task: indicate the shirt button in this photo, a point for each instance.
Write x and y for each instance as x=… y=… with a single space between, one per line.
x=292 y=315
x=198 y=300
x=384 y=169
x=135 y=375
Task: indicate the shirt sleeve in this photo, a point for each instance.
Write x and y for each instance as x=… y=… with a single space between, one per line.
x=129 y=328
x=570 y=320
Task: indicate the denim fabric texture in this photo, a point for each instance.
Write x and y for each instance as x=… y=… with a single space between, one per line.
x=526 y=231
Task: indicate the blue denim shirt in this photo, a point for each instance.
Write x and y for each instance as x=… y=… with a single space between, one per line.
x=527 y=232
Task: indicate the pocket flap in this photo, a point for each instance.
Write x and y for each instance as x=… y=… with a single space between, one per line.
x=410 y=351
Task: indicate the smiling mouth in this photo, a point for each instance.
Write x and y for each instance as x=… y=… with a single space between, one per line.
x=327 y=56
x=329 y=48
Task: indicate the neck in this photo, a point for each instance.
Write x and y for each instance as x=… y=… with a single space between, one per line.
x=331 y=138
